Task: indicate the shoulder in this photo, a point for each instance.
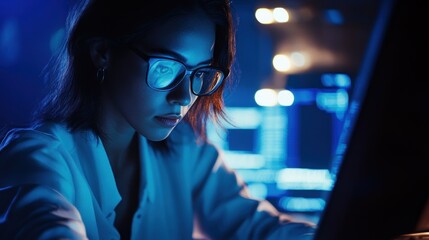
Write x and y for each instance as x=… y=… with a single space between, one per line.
x=19 y=138
x=46 y=135
x=34 y=155
x=38 y=142
x=46 y=130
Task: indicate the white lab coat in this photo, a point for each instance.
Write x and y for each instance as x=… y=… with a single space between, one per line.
x=186 y=183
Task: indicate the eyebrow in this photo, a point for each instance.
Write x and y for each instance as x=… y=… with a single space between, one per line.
x=177 y=56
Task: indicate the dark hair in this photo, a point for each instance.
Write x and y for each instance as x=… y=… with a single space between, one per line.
x=74 y=94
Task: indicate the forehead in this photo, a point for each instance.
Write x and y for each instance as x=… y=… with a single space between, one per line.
x=190 y=35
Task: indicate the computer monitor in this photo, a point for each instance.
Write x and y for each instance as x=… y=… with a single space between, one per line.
x=382 y=166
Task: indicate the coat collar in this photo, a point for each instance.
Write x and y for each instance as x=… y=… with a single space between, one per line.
x=103 y=182
x=88 y=151
x=147 y=171
x=100 y=175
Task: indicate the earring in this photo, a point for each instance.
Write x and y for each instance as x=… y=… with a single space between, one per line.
x=100 y=75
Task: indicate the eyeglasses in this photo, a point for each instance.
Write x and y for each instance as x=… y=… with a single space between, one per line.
x=165 y=74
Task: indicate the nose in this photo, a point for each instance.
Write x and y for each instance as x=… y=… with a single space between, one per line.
x=181 y=94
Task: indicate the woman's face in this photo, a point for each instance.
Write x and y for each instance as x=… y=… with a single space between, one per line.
x=188 y=38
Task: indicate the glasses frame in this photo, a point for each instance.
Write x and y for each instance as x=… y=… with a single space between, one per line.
x=148 y=58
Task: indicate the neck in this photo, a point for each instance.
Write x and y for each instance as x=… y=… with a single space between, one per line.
x=120 y=139
x=120 y=147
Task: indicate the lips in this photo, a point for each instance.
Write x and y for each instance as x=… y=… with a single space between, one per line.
x=169 y=121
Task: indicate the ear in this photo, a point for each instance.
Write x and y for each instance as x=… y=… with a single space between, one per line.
x=100 y=52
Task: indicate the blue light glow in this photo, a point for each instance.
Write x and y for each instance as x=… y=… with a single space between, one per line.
x=304 y=179
x=272 y=141
x=258 y=175
x=243 y=118
x=244 y=160
x=300 y=204
x=334 y=16
x=333 y=101
x=336 y=80
x=9 y=42
x=56 y=40
x=258 y=190
x=304 y=96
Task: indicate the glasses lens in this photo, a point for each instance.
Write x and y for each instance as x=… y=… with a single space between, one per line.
x=163 y=73
x=206 y=80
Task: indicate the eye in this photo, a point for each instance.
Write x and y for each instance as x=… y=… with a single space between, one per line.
x=203 y=73
x=199 y=74
x=162 y=69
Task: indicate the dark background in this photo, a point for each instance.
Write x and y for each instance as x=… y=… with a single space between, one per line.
x=334 y=33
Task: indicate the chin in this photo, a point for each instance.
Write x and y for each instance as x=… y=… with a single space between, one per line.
x=157 y=136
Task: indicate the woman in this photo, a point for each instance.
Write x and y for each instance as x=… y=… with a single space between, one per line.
x=103 y=161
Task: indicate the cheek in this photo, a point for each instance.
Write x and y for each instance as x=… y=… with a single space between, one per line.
x=136 y=99
x=126 y=87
